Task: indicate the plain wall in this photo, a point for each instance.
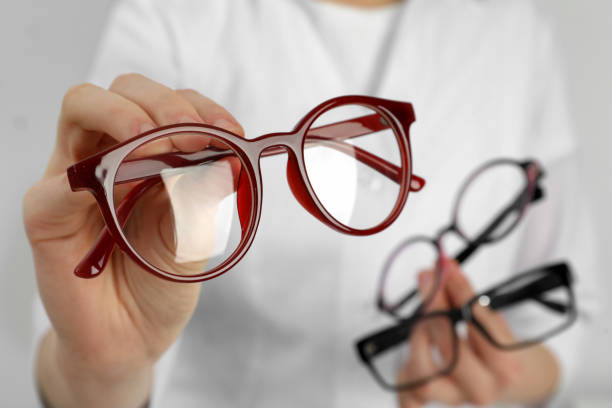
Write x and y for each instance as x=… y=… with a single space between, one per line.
x=48 y=46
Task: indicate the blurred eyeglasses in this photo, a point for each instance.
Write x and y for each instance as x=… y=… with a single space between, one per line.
x=489 y=205
x=534 y=305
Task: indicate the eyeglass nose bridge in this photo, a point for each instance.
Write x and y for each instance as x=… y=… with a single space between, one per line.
x=276 y=143
x=291 y=143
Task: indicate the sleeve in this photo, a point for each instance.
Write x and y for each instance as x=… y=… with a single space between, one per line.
x=137 y=38
x=561 y=227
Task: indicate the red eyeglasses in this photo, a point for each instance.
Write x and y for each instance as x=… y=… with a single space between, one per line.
x=183 y=201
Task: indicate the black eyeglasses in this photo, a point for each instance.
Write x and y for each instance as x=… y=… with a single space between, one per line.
x=490 y=204
x=536 y=305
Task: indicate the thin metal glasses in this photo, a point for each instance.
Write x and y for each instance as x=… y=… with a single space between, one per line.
x=197 y=189
x=535 y=305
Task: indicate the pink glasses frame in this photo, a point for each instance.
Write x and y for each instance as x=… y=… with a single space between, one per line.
x=99 y=173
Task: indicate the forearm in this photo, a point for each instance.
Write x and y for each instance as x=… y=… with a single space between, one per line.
x=540 y=374
x=64 y=382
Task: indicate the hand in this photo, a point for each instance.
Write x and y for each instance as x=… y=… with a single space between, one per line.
x=108 y=331
x=483 y=373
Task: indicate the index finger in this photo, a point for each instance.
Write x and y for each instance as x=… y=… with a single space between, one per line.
x=502 y=363
x=211 y=112
x=89 y=112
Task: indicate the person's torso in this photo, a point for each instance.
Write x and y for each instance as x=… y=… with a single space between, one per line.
x=278 y=329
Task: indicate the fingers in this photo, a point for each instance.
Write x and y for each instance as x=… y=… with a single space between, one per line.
x=441 y=390
x=409 y=401
x=167 y=106
x=89 y=112
x=422 y=363
x=440 y=329
x=418 y=364
x=162 y=104
x=430 y=284
x=92 y=108
x=212 y=113
x=431 y=351
x=503 y=364
x=482 y=371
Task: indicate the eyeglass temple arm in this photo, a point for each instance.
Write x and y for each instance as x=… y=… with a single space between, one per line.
x=332 y=136
x=472 y=246
x=149 y=169
x=94 y=262
x=557 y=275
x=555 y=278
x=382 y=340
x=153 y=166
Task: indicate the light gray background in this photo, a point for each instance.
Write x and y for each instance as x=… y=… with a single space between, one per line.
x=47 y=46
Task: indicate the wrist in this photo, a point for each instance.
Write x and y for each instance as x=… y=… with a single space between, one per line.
x=65 y=380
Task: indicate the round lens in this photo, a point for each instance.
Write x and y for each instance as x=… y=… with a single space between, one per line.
x=533 y=308
x=186 y=205
x=343 y=153
x=492 y=201
x=400 y=291
x=426 y=351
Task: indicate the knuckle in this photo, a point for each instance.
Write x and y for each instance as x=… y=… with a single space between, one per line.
x=188 y=92
x=216 y=112
x=219 y=115
x=74 y=93
x=130 y=122
x=124 y=79
x=174 y=108
x=173 y=116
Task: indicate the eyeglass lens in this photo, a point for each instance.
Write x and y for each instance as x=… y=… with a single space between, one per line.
x=190 y=211
x=427 y=350
x=524 y=311
x=352 y=192
x=491 y=191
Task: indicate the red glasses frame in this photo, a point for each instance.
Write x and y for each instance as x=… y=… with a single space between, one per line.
x=99 y=173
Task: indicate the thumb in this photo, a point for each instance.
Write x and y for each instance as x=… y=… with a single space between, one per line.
x=456 y=286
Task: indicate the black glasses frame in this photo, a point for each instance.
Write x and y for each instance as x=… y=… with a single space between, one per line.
x=555 y=275
x=531 y=193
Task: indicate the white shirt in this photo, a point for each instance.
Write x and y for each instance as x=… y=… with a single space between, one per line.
x=278 y=329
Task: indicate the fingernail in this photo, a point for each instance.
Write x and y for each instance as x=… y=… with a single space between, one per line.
x=227 y=125
x=145 y=127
